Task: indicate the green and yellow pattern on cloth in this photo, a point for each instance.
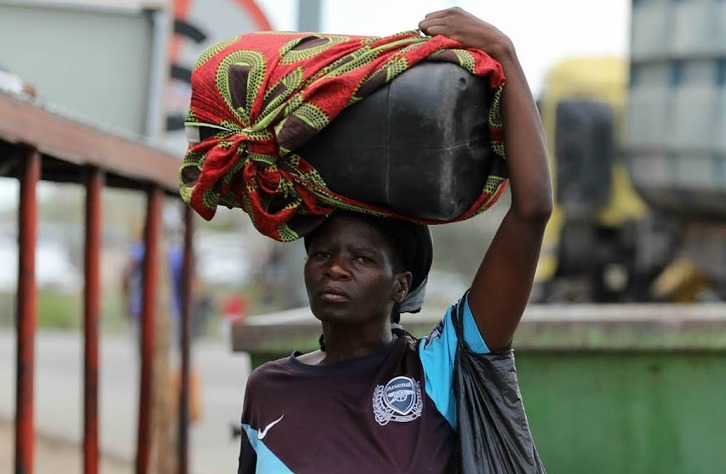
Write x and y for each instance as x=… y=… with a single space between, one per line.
x=265 y=94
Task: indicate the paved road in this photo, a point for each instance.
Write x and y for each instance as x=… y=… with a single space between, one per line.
x=58 y=400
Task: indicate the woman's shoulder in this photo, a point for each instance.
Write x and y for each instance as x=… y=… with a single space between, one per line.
x=268 y=369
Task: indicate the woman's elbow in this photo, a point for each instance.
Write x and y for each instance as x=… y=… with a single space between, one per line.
x=536 y=210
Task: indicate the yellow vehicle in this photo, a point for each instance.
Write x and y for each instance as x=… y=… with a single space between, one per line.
x=593 y=244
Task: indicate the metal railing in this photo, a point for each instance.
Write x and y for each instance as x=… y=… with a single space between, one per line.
x=37 y=143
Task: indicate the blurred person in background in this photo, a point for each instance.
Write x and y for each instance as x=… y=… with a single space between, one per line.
x=201 y=303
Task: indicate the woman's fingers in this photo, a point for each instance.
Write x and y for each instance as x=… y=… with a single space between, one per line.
x=434 y=19
x=465 y=28
x=441 y=13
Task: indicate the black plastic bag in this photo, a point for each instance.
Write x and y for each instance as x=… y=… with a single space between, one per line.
x=494 y=436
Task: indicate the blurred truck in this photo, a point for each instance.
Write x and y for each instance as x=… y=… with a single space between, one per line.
x=675 y=136
x=603 y=243
x=638 y=150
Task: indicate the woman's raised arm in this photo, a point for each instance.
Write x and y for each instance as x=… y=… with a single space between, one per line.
x=501 y=287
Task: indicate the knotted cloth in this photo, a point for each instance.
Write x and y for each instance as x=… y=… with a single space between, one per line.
x=265 y=94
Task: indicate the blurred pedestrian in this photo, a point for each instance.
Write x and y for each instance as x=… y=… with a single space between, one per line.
x=234 y=311
x=201 y=305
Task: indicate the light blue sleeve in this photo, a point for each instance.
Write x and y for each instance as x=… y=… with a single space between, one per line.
x=437 y=352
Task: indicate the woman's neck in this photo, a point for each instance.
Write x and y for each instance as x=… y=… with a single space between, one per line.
x=344 y=344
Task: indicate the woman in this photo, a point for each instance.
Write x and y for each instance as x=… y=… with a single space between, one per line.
x=372 y=399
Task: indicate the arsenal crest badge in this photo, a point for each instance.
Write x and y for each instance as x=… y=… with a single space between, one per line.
x=399 y=400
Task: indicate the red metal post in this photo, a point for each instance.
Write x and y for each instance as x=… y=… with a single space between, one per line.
x=152 y=234
x=188 y=274
x=92 y=311
x=26 y=312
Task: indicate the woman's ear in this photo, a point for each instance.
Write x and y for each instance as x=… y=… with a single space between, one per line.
x=402 y=286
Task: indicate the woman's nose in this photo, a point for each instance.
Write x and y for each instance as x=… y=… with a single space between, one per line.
x=337 y=268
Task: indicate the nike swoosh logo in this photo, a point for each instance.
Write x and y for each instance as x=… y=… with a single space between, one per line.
x=263 y=433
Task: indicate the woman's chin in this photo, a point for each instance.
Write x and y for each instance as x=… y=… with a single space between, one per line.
x=332 y=313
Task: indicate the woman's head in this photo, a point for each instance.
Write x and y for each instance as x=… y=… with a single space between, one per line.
x=384 y=261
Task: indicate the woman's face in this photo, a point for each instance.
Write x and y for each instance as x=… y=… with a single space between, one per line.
x=349 y=273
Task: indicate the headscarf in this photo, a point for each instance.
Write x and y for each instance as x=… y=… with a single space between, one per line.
x=265 y=94
x=413 y=246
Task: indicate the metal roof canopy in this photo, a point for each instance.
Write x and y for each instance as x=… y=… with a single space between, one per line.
x=68 y=146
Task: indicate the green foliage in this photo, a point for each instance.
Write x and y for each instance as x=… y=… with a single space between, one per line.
x=113 y=315
x=63 y=311
x=59 y=310
x=55 y=310
x=7 y=310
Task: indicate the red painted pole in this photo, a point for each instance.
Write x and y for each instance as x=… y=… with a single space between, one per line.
x=26 y=313
x=92 y=311
x=188 y=274
x=152 y=234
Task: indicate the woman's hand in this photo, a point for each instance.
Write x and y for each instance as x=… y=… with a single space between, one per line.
x=468 y=30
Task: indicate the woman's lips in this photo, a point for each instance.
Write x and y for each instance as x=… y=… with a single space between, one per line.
x=332 y=296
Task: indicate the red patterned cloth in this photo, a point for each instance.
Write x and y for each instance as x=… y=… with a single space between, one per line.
x=265 y=94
